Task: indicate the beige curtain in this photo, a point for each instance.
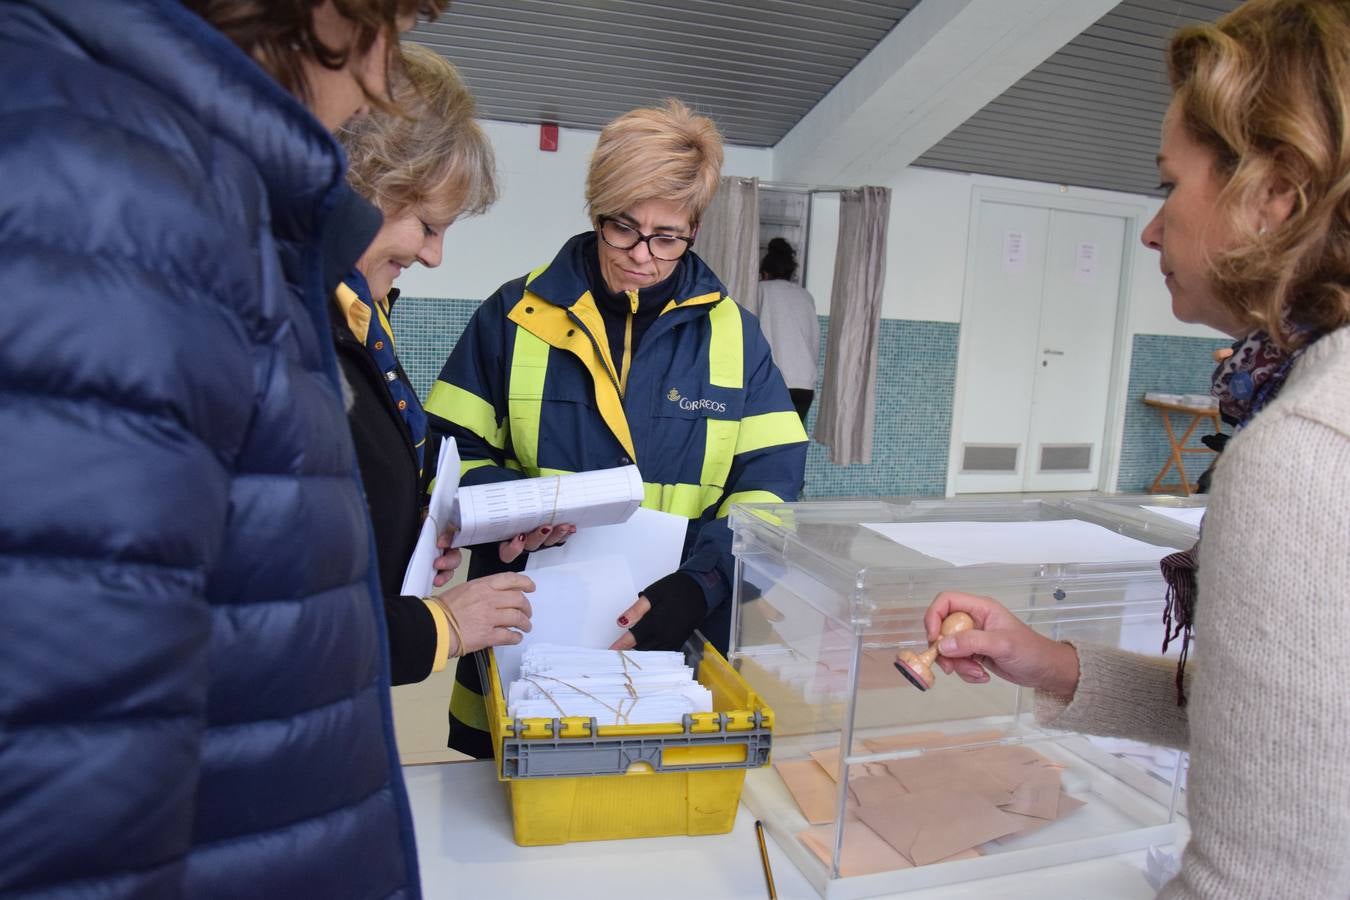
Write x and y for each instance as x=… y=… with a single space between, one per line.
x=844 y=418
x=728 y=238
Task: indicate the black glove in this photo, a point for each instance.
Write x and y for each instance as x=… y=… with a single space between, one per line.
x=678 y=607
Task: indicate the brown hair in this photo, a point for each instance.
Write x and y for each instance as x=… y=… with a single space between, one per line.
x=432 y=153
x=1267 y=89
x=655 y=153
x=279 y=34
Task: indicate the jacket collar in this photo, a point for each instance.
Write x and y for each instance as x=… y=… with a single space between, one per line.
x=564 y=281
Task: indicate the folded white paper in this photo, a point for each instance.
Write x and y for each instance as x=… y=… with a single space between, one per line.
x=576 y=604
x=1061 y=542
x=615 y=688
x=421 y=571
x=650 y=542
x=499 y=511
x=1187 y=515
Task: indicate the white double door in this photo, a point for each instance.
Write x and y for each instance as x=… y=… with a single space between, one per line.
x=1038 y=327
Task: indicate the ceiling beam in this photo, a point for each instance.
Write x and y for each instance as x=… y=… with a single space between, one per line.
x=940 y=65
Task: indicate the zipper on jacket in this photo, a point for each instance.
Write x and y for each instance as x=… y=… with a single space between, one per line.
x=595 y=345
x=627 y=362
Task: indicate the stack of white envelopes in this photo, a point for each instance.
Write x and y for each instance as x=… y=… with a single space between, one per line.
x=631 y=687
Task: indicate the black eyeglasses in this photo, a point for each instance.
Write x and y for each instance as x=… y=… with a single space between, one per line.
x=625 y=237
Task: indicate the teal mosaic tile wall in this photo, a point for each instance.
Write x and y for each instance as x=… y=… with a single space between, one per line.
x=916 y=380
x=1173 y=365
x=426 y=330
x=916 y=374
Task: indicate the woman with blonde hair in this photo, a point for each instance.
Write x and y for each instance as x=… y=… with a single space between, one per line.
x=1254 y=239
x=625 y=349
x=424 y=165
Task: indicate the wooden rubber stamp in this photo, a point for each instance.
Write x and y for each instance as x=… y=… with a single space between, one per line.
x=918 y=667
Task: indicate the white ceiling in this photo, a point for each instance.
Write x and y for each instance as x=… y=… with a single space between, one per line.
x=1087 y=115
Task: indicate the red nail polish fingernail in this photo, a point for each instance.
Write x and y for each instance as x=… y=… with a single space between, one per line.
x=545 y=530
x=623 y=620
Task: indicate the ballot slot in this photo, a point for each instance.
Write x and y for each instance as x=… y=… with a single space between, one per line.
x=879 y=787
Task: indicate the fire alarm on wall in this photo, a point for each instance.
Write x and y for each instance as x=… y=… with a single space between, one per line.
x=548 y=136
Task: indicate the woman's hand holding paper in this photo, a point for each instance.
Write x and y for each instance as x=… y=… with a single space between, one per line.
x=449 y=559
x=491 y=610
x=543 y=536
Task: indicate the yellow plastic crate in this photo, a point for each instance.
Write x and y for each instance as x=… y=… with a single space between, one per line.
x=628 y=781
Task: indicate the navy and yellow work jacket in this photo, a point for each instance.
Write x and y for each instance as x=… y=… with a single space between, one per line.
x=532 y=389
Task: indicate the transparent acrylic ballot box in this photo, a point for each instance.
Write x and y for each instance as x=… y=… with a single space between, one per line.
x=959 y=782
x=1150 y=511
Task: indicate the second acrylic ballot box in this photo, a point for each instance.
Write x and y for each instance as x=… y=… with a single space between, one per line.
x=960 y=781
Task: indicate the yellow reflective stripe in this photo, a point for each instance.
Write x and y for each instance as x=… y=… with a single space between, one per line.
x=544 y=472
x=747 y=497
x=529 y=363
x=688 y=500
x=454 y=404
x=726 y=348
x=769 y=430
x=513 y=465
x=718 y=448
x=468 y=707
x=468 y=465
x=535 y=274
x=552 y=325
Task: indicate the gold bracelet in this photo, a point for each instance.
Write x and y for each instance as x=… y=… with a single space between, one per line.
x=454 y=625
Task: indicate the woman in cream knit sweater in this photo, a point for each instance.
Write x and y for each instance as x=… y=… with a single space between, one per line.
x=1254 y=239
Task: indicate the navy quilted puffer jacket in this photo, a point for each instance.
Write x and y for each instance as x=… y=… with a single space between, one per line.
x=194 y=697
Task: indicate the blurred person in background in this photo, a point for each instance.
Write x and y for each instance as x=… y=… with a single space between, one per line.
x=787 y=315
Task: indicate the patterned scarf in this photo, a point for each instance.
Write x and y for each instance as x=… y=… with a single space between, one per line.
x=1244 y=384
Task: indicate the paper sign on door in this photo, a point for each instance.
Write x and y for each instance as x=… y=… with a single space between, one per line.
x=1014 y=251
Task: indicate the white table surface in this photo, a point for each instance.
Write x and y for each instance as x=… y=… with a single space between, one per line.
x=465 y=848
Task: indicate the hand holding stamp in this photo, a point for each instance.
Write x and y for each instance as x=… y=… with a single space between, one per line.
x=918 y=667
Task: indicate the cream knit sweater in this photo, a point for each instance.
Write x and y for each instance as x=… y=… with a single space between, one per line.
x=1268 y=720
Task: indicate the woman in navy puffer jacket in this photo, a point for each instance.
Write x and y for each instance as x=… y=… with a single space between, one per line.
x=194 y=680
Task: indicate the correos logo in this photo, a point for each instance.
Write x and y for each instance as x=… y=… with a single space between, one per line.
x=693 y=405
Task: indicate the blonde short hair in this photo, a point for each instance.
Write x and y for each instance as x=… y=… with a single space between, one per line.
x=1267 y=89
x=431 y=152
x=655 y=153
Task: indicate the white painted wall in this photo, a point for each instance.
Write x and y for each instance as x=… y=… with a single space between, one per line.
x=542 y=204
x=927 y=244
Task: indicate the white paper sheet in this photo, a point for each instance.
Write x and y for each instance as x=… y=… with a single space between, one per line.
x=1014 y=251
x=576 y=604
x=496 y=512
x=421 y=571
x=1018 y=543
x=1189 y=515
x=630 y=688
x=651 y=543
